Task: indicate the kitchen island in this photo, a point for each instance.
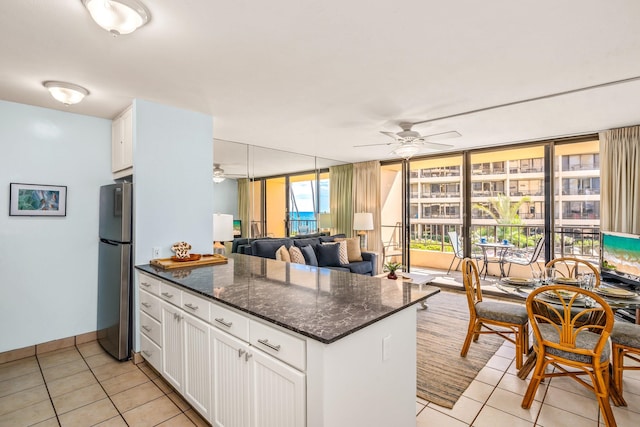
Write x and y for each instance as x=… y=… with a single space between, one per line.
x=283 y=344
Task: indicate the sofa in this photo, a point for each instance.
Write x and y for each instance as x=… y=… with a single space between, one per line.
x=267 y=247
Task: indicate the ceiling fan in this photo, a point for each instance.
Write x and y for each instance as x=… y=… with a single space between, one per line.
x=411 y=141
x=219 y=174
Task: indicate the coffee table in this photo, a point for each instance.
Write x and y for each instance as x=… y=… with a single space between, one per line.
x=420 y=280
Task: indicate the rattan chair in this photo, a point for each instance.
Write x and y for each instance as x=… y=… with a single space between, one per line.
x=572 y=338
x=570 y=267
x=493 y=317
x=625 y=342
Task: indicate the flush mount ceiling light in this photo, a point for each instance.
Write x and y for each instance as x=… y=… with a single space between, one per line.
x=406 y=150
x=67 y=93
x=218 y=174
x=118 y=16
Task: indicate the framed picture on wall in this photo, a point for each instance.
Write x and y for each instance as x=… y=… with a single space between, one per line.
x=37 y=200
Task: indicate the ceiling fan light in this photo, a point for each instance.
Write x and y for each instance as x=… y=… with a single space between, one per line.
x=67 y=93
x=118 y=16
x=406 y=151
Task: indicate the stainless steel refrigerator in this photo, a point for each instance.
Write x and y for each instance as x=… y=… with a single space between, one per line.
x=115 y=277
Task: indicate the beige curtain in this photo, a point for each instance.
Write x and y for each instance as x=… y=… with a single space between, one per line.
x=340 y=200
x=243 y=205
x=620 y=180
x=366 y=198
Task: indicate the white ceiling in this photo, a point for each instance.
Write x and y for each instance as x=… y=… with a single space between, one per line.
x=317 y=77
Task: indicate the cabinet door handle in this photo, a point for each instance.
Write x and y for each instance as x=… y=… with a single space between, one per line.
x=146 y=353
x=241 y=352
x=167 y=294
x=146 y=328
x=178 y=316
x=268 y=344
x=145 y=284
x=221 y=321
x=146 y=304
x=247 y=356
x=191 y=306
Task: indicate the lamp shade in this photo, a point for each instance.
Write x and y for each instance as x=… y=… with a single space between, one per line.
x=324 y=220
x=222 y=227
x=406 y=151
x=363 y=221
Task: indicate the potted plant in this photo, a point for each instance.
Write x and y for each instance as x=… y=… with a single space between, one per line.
x=391 y=267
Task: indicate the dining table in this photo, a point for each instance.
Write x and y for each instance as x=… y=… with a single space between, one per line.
x=500 y=250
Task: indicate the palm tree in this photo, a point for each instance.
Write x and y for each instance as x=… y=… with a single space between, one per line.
x=505 y=212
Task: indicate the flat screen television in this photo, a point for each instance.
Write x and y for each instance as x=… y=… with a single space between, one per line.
x=237 y=228
x=620 y=257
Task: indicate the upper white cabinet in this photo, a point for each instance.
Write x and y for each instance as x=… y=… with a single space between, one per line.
x=122 y=144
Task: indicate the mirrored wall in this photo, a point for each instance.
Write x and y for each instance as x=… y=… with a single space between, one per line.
x=269 y=192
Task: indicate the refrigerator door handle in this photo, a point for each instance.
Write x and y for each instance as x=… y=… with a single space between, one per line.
x=108 y=242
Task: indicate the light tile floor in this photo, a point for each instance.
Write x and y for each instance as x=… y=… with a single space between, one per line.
x=493 y=400
x=84 y=386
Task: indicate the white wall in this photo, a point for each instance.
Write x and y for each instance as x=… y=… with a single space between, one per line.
x=49 y=265
x=172 y=174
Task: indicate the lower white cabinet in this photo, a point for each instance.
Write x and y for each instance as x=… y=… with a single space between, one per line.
x=197 y=366
x=226 y=379
x=230 y=403
x=277 y=392
x=252 y=389
x=172 y=344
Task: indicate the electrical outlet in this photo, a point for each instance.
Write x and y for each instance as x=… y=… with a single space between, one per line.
x=155 y=252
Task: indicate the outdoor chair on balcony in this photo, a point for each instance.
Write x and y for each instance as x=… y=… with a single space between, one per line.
x=458 y=252
x=525 y=257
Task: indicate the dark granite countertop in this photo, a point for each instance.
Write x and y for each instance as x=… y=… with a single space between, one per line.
x=320 y=303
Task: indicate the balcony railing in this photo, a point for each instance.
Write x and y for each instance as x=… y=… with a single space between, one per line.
x=581 y=242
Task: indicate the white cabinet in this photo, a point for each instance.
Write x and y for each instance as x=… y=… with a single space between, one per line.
x=230 y=400
x=150 y=327
x=172 y=344
x=252 y=389
x=122 y=143
x=277 y=392
x=213 y=357
x=197 y=366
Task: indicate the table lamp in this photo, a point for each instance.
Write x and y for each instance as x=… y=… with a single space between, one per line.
x=362 y=222
x=222 y=231
x=324 y=222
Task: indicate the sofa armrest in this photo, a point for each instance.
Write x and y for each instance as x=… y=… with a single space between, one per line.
x=373 y=258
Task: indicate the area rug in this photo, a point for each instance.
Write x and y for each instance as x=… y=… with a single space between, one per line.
x=442 y=374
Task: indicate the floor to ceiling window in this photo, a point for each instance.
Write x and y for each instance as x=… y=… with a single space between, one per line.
x=435 y=209
x=508 y=188
x=577 y=199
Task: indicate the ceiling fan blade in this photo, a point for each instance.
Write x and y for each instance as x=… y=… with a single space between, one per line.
x=372 y=145
x=391 y=134
x=441 y=136
x=435 y=146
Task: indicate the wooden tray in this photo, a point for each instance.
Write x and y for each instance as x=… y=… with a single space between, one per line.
x=168 y=263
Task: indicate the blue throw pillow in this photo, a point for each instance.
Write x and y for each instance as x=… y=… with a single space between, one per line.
x=309 y=255
x=328 y=255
